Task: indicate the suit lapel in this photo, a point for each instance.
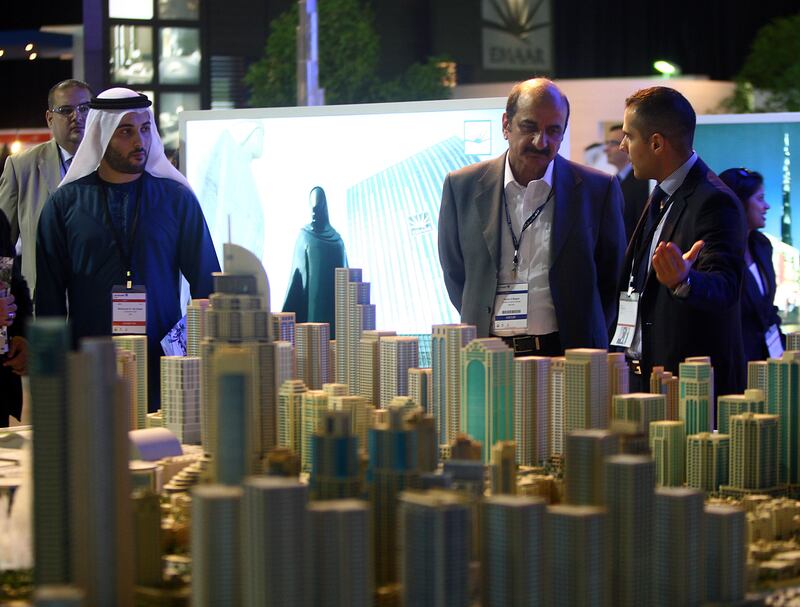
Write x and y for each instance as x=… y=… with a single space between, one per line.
x=50 y=167
x=489 y=200
x=566 y=205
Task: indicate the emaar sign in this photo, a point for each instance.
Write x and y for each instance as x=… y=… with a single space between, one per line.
x=517 y=35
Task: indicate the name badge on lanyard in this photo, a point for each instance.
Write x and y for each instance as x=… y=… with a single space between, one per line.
x=128 y=310
x=511 y=305
x=626 y=319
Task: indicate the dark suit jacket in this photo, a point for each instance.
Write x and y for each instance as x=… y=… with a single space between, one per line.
x=707 y=322
x=758 y=311
x=10 y=384
x=635 y=192
x=587 y=245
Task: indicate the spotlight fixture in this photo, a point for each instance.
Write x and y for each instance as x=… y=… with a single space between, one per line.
x=16 y=146
x=29 y=47
x=32 y=56
x=2 y=52
x=666 y=68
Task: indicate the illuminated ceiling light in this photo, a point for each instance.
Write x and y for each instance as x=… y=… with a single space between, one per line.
x=29 y=47
x=2 y=52
x=32 y=56
x=16 y=146
x=666 y=68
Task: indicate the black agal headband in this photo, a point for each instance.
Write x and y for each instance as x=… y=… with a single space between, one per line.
x=123 y=103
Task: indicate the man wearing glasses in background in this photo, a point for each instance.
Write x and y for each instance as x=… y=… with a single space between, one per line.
x=634 y=191
x=30 y=177
x=530 y=242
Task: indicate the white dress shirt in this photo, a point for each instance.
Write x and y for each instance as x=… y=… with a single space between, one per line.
x=534 y=250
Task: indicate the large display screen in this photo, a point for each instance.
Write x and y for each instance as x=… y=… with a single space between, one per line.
x=381 y=167
x=767 y=143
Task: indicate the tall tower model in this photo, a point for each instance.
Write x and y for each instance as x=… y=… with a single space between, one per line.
x=531 y=401
x=663 y=382
x=398 y=355
x=275 y=570
x=707 y=461
x=334 y=459
x=668 y=446
x=487 y=403
x=446 y=344
x=757 y=375
x=102 y=563
x=640 y=408
x=677 y=547
x=577 y=566
x=238 y=316
x=420 y=387
x=180 y=397
x=783 y=400
x=725 y=554
x=49 y=344
x=290 y=415
x=696 y=396
x=618 y=375
x=315 y=405
x=360 y=411
x=630 y=482
x=137 y=344
x=754 y=451
x=311 y=351
x=585 y=389
x=392 y=468
x=512 y=536
x=195 y=325
x=752 y=400
x=368 y=383
x=584 y=466
x=557 y=405
x=340 y=553
x=435 y=548
x=285 y=364
x=216 y=549
x=354 y=314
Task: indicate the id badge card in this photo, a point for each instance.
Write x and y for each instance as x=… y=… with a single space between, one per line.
x=626 y=319
x=773 y=339
x=128 y=310
x=511 y=306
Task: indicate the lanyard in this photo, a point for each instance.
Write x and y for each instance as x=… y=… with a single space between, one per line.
x=125 y=255
x=534 y=216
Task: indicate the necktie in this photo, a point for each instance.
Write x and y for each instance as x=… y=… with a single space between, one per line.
x=654 y=215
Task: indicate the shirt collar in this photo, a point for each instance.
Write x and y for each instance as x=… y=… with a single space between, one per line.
x=623 y=173
x=671 y=184
x=547 y=178
x=65 y=155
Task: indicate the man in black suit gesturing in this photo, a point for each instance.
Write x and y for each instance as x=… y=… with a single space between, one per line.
x=634 y=191
x=683 y=268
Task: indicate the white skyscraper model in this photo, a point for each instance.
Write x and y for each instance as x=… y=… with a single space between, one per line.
x=216 y=546
x=195 y=325
x=180 y=397
x=368 y=383
x=102 y=519
x=354 y=314
x=446 y=344
x=290 y=414
x=585 y=389
x=360 y=414
x=138 y=345
x=398 y=355
x=315 y=404
x=285 y=365
x=239 y=317
x=311 y=351
x=557 y=405
x=283 y=326
x=420 y=387
x=275 y=537
x=340 y=553
x=531 y=400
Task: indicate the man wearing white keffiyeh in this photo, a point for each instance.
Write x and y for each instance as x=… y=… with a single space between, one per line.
x=122 y=216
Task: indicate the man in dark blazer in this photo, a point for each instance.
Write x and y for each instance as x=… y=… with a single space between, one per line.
x=634 y=191
x=685 y=260
x=30 y=177
x=532 y=225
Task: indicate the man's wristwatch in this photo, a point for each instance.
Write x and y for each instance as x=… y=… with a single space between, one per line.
x=682 y=289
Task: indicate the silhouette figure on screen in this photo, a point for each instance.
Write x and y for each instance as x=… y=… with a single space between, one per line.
x=319 y=250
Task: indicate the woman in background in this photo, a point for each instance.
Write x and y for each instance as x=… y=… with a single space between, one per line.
x=760 y=322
